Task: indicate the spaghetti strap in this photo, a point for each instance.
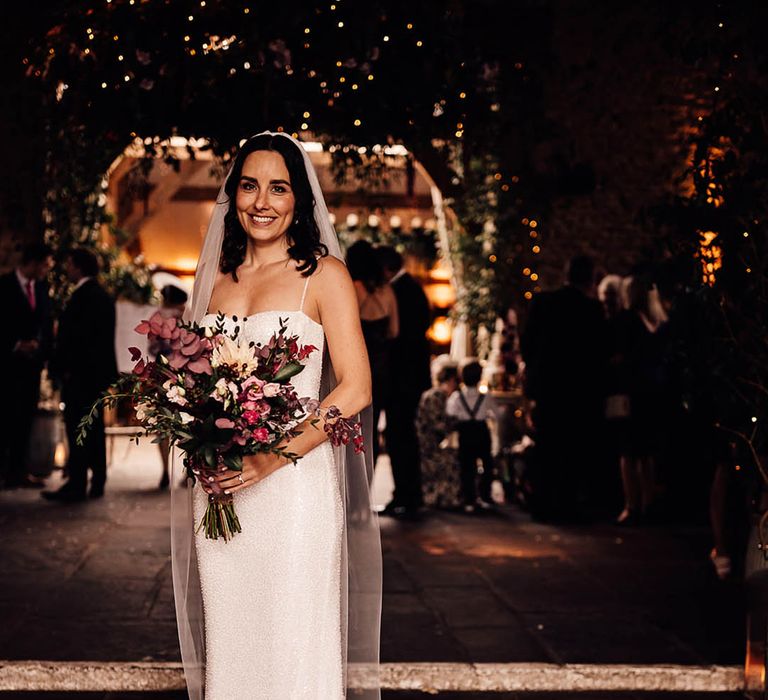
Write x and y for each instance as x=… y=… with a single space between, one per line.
x=304 y=294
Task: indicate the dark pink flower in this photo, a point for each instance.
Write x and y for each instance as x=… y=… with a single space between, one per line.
x=261 y=435
x=224 y=423
x=251 y=417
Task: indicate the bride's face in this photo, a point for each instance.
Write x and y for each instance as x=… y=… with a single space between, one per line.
x=265 y=201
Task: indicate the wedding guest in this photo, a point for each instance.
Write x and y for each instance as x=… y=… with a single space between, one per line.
x=25 y=343
x=609 y=294
x=565 y=353
x=439 y=461
x=174 y=300
x=641 y=346
x=378 y=319
x=85 y=365
x=470 y=409
x=409 y=378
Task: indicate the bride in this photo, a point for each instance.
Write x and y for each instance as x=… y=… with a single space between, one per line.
x=290 y=607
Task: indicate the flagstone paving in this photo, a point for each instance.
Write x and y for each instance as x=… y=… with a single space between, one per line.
x=92 y=581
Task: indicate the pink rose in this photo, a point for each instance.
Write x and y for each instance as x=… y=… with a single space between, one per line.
x=271 y=389
x=250 y=406
x=252 y=381
x=261 y=435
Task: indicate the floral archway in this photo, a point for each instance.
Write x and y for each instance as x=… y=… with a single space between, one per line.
x=383 y=74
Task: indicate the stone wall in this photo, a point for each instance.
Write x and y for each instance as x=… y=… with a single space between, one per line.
x=622 y=109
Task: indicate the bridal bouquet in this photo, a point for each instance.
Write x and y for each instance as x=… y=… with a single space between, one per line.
x=220 y=398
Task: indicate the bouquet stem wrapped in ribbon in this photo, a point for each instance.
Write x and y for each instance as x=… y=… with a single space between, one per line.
x=219 y=399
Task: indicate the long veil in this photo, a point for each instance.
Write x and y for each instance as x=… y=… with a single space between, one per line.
x=361 y=557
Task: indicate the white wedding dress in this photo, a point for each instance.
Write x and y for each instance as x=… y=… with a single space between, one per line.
x=272 y=595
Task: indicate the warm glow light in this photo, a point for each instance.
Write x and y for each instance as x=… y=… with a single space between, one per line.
x=60 y=455
x=184 y=265
x=440 y=331
x=536 y=249
x=527 y=271
x=528 y=295
x=440 y=272
x=711 y=256
x=440 y=294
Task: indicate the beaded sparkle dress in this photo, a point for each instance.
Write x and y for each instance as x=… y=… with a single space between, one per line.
x=272 y=595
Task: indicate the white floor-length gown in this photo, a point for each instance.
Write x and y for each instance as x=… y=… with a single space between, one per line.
x=272 y=595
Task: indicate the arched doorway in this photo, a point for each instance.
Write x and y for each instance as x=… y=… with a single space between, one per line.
x=165 y=205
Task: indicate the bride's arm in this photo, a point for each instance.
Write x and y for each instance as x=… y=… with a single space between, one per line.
x=333 y=300
x=336 y=301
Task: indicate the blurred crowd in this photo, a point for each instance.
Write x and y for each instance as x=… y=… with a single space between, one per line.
x=600 y=430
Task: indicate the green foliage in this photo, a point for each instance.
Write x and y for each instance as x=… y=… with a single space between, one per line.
x=436 y=76
x=721 y=312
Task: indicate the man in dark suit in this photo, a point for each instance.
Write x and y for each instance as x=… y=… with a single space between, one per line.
x=565 y=351
x=409 y=377
x=85 y=365
x=25 y=343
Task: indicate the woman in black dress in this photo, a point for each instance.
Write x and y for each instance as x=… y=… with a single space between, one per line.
x=378 y=318
x=639 y=351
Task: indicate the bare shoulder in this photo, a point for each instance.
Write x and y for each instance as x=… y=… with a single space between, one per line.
x=332 y=273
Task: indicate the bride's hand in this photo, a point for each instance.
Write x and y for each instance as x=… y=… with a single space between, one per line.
x=255 y=468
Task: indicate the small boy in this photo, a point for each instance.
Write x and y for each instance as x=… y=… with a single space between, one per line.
x=469 y=408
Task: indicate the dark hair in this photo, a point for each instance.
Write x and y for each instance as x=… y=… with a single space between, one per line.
x=581 y=271
x=84 y=260
x=364 y=265
x=35 y=252
x=471 y=373
x=447 y=373
x=173 y=295
x=390 y=259
x=303 y=235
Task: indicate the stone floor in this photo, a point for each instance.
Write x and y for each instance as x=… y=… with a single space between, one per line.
x=392 y=695
x=92 y=581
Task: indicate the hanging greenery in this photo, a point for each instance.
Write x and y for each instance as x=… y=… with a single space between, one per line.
x=435 y=76
x=717 y=246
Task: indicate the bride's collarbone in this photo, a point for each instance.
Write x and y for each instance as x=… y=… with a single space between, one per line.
x=249 y=297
